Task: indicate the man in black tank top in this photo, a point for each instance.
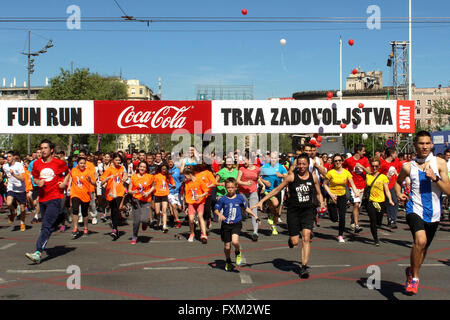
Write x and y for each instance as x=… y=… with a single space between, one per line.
x=303 y=191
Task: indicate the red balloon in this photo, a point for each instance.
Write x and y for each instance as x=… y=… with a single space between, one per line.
x=351 y=42
x=315 y=135
x=343 y=125
x=361 y=105
x=319 y=139
x=244 y=11
x=318 y=145
x=330 y=94
x=355 y=71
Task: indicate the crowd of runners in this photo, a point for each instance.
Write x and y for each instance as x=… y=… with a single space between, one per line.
x=161 y=190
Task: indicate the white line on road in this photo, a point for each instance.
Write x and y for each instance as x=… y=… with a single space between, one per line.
x=35 y=271
x=8 y=246
x=144 y=262
x=172 y=268
x=279 y=248
x=245 y=278
x=250 y=297
x=330 y=265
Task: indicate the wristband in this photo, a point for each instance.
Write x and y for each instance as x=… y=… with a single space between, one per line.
x=258 y=220
x=437 y=179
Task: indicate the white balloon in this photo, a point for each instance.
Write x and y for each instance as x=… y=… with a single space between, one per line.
x=339 y=94
x=283 y=42
x=365 y=136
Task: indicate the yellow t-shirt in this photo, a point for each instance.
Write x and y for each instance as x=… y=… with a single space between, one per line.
x=377 y=192
x=338 y=181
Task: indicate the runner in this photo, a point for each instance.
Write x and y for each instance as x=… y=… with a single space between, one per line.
x=81 y=181
x=378 y=184
x=303 y=189
x=195 y=194
x=48 y=173
x=174 y=196
x=141 y=188
x=115 y=176
x=91 y=168
x=429 y=179
x=227 y=172
x=358 y=165
x=35 y=194
x=16 y=189
x=272 y=174
x=203 y=172
x=191 y=160
x=163 y=180
x=247 y=180
x=335 y=181
x=231 y=216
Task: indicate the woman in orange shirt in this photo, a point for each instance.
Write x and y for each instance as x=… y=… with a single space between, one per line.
x=141 y=187
x=115 y=176
x=81 y=182
x=195 y=195
x=162 y=181
x=28 y=184
x=203 y=172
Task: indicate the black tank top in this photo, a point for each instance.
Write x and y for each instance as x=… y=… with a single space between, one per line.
x=302 y=192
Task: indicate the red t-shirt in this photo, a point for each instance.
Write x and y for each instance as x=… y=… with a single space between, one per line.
x=52 y=173
x=249 y=175
x=215 y=166
x=359 y=176
x=390 y=170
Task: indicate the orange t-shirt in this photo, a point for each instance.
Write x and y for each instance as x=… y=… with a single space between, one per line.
x=115 y=182
x=162 y=184
x=142 y=184
x=208 y=178
x=81 y=187
x=90 y=166
x=197 y=187
x=28 y=183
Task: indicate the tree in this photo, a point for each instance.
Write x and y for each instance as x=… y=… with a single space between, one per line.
x=83 y=85
x=441 y=107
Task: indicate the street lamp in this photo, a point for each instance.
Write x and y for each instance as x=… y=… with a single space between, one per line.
x=30 y=69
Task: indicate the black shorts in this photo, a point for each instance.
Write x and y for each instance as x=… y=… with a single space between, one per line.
x=20 y=197
x=158 y=199
x=299 y=219
x=76 y=203
x=416 y=223
x=228 y=229
x=35 y=193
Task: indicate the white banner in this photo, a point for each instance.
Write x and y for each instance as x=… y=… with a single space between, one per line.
x=311 y=116
x=47 y=116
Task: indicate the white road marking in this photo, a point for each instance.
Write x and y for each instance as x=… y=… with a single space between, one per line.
x=245 y=278
x=172 y=268
x=329 y=265
x=426 y=265
x=8 y=246
x=250 y=297
x=35 y=271
x=279 y=248
x=144 y=262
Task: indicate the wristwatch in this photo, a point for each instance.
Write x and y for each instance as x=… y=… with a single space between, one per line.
x=437 y=179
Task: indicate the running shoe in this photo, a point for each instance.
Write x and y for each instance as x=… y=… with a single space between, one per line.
x=394 y=225
x=115 y=234
x=23 y=227
x=35 y=257
x=352 y=226
x=239 y=259
x=358 y=229
x=11 y=218
x=270 y=220
x=133 y=241
x=408 y=273
x=228 y=266
x=34 y=221
x=177 y=224
x=279 y=219
x=165 y=229
x=341 y=239
x=85 y=232
x=412 y=286
x=377 y=243
x=191 y=237
x=274 y=231
x=255 y=237
x=94 y=221
x=103 y=217
x=62 y=228
x=144 y=226
x=304 y=272
x=74 y=233
x=208 y=223
x=204 y=239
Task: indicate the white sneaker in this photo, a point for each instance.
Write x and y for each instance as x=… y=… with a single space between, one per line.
x=341 y=239
x=353 y=226
x=80 y=218
x=94 y=221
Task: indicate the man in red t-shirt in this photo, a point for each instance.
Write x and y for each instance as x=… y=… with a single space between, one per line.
x=391 y=167
x=51 y=175
x=358 y=165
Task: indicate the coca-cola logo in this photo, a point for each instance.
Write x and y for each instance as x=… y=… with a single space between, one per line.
x=167 y=116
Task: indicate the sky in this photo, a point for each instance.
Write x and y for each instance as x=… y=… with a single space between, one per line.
x=185 y=55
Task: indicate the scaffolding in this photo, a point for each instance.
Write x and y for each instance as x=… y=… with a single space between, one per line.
x=400 y=68
x=224 y=92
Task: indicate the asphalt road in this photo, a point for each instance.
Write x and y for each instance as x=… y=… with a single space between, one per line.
x=166 y=266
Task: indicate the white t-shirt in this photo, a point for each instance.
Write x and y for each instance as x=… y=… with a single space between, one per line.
x=14 y=184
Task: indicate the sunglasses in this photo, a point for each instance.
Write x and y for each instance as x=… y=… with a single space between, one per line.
x=337 y=160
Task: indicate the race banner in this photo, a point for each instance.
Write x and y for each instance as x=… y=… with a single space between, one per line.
x=47 y=116
x=218 y=116
x=318 y=116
